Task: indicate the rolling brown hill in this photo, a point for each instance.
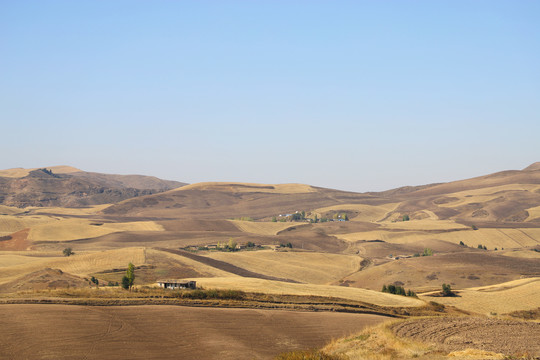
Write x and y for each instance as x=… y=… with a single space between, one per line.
x=506 y=197
x=69 y=187
x=230 y=200
x=502 y=197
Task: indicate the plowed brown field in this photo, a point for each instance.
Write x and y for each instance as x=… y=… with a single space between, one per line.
x=166 y=332
x=455 y=334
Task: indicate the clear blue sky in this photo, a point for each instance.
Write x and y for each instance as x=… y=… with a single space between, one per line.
x=354 y=95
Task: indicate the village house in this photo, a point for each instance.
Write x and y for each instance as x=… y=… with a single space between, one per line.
x=177 y=284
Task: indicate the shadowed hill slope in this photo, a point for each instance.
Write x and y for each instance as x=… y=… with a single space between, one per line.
x=70 y=187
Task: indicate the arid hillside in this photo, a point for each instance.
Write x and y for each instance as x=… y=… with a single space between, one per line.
x=286 y=246
x=507 y=197
x=70 y=187
x=230 y=200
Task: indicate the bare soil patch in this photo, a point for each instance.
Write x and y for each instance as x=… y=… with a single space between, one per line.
x=459 y=333
x=16 y=241
x=166 y=332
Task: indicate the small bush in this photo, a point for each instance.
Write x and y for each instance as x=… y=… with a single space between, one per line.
x=398 y=290
x=67 y=252
x=125 y=282
x=201 y=294
x=447 y=290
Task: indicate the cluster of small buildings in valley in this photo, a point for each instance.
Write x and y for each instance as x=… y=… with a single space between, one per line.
x=301 y=216
x=231 y=246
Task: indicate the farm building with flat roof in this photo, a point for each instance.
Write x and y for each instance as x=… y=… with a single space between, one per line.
x=177 y=284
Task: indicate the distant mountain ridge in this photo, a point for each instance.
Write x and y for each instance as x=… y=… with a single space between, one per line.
x=66 y=186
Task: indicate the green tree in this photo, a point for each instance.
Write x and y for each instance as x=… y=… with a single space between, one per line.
x=315 y=220
x=130 y=274
x=427 y=252
x=384 y=289
x=68 y=252
x=406 y=217
x=447 y=290
x=125 y=282
x=232 y=244
x=345 y=217
x=274 y=219
x=462 y=243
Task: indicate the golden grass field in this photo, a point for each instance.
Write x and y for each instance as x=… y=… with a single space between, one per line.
x=262 y=228
x=424 y=224
x=12 y=223
x=199 y=267
x=366 y=212
x=305 y=267
x=491 y=238
x=523 y=294
x=20 y=172
x=72 y=229
x=486 y=194
x=78 y=264
x=8 y=260
x=248 y=187
x=534 y=213
x=89 y=210
x=525 y=254
x=9 y=210
x=281 y=288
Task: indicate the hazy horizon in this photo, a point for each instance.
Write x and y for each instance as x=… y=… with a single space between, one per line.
x=360 y=96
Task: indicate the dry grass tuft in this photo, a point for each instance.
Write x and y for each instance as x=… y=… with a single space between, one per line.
x=308 y=355
x=476 y=354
